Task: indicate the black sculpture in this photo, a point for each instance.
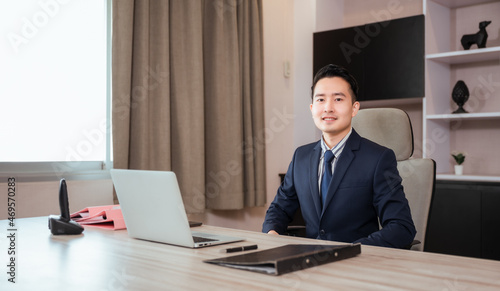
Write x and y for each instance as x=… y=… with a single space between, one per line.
x=62 y=224
x=478 y=38
x=460 y=95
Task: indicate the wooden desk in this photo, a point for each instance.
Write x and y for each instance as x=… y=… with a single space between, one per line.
x=110 y=260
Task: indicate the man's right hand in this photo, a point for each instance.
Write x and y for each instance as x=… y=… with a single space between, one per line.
x=273 y=232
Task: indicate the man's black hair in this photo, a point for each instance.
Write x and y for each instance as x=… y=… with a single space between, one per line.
x=330 y=71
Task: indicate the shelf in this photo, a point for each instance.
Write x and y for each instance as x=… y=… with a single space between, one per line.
x=468 y=56
x=471 y=116
x=460 y=3
x=476 y=178
x=447 y=21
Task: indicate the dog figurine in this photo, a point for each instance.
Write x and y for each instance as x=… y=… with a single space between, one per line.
x=478 y=38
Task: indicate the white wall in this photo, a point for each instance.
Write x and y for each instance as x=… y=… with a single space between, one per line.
x=304 y=24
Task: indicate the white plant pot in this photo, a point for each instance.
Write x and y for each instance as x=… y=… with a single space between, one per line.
x=459 y=169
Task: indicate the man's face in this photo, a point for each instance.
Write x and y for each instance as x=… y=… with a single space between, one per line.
x=332 y=108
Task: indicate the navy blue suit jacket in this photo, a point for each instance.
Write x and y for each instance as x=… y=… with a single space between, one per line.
x=365 y=187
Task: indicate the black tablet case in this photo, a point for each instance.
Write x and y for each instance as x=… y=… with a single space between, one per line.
x=289 y=258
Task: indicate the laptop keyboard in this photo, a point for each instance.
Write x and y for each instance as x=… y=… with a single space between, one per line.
x=198 y=239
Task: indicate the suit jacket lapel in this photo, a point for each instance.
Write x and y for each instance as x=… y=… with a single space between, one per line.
x=313 y=177
x=343 y=163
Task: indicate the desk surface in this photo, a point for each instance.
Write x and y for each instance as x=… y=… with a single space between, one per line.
x=110 y=260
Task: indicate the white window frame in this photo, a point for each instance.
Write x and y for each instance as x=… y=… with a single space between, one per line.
x=79 y=170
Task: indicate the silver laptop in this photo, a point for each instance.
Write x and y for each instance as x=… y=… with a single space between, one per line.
x=153 y=210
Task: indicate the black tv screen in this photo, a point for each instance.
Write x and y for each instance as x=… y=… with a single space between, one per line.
x=387 y=58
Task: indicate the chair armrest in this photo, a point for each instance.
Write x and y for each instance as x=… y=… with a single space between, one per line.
x=296 y=230
x=413 y=243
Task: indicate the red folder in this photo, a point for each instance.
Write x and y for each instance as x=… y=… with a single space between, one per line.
x=108 y=217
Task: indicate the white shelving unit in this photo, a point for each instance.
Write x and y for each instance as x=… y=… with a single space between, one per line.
x=477 y=132
x=469 y=56
x=462 y=116
x=473 y=178
x=437 y=131
x=460 y=3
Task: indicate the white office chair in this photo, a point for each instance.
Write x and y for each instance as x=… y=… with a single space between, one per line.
x=391 y=127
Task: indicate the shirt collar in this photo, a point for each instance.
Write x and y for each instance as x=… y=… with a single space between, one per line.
x=338 y=147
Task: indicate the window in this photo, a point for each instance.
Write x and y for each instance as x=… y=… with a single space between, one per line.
x=55 y=89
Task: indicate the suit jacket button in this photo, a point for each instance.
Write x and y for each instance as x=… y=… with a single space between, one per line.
x=322 y=232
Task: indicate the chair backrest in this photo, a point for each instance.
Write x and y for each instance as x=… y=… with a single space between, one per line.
x=419 y=179
x=391 y=128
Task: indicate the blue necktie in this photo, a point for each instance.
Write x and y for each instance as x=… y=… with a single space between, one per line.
x=327 y=174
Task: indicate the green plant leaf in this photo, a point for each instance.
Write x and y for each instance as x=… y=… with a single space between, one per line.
x=459 y=158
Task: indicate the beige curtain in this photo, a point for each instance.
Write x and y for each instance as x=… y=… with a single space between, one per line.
x=188 y=97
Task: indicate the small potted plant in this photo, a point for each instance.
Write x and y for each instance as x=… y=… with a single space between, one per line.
x=459 y=159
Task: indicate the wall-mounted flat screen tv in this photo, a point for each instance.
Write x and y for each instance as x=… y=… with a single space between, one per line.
x=387 y=58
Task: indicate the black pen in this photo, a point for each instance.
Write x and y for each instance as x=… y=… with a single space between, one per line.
x=243 y=248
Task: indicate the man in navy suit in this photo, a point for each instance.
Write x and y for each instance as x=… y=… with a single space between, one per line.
x=361 y=183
